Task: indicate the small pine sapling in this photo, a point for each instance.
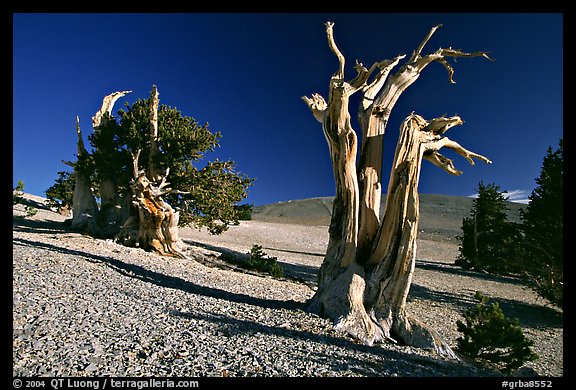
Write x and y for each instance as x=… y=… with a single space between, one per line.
x=260 y=261
x=492 y=338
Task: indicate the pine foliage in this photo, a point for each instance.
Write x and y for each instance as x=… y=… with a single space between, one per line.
x=492 y=338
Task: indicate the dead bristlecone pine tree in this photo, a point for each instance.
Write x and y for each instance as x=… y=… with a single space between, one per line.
x=367 y=270
x=141 y=218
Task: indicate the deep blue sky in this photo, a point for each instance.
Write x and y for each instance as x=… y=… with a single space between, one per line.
x=244 y=74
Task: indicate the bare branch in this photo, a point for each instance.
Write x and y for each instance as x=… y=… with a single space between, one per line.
x=431 y=154
x=81 y=148
x=341 y=60
x=442 y=124
x=371 y=90
x=417 y=53
x=177 y=192
x=107 y=106
x=135 y=157
x=317 y=105
x=362 y=75
x=449 y=68
x=163 y=183
x=449 y=52
x=442 y=53
x=467 y=154
x=153 y=123
x=443 y=162
x=154 y=101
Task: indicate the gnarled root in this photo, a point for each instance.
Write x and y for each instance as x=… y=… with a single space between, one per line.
x=342 y=301
x=411 y=331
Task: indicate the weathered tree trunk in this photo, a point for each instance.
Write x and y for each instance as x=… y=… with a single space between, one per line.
x=111 y=214
x=152 y=173
x=367 y=270
x=373 y=117
x=144 y=219
x=153 y=224
x=84 y=207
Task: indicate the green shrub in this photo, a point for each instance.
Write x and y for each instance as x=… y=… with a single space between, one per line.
x=244 y=212
x=30 y=211
x=260 y=261
x=492 y=338
x=61 y=193
x=17 y=192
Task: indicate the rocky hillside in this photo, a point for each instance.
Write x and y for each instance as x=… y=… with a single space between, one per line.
x=439 y=214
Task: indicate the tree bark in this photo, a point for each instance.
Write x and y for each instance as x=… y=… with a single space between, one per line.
x=106 y=108
x=143 y=219
x=111 y=215
x=153 y=223
x=84 y=207
x=367 y=270
x=152 y=173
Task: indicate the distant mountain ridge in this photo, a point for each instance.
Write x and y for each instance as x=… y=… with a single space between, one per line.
x=439 y=214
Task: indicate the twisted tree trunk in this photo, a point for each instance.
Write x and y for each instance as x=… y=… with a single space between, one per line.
x=84 y=207
x=86 y=216
x=153 y=173
x=153 y=223
x=111 y=214
x=367 y=270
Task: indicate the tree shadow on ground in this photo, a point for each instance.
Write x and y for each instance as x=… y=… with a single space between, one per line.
x=296 y=252
x=33 y=203
x=294 y=272
x=404 y=363
x=162 y=280
x=456 y=270
x=529 y=315
x=28 y=225
x=427 y=365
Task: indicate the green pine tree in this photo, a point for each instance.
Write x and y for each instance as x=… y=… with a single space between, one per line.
x=488 y=239
x=61 y=192
x=492 y=338
x=208 y=193
x=543 y=226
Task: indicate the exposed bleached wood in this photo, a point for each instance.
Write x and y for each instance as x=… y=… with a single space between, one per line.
x=394 y=254
x=154 y=225
x=369 y=167
x=84 y=207
x=111 y=214
x=106 y=108
x=337 y=269
x=367 y=271
x=374 y=113
x=152 y=172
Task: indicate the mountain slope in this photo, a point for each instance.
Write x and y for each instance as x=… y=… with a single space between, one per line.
x=439 y=214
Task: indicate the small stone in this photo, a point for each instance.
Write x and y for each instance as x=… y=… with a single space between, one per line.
x=91 y=367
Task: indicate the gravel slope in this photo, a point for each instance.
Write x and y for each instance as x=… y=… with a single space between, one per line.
x=86 y=307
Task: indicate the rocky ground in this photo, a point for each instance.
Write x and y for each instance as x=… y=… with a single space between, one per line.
x=87 y=307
